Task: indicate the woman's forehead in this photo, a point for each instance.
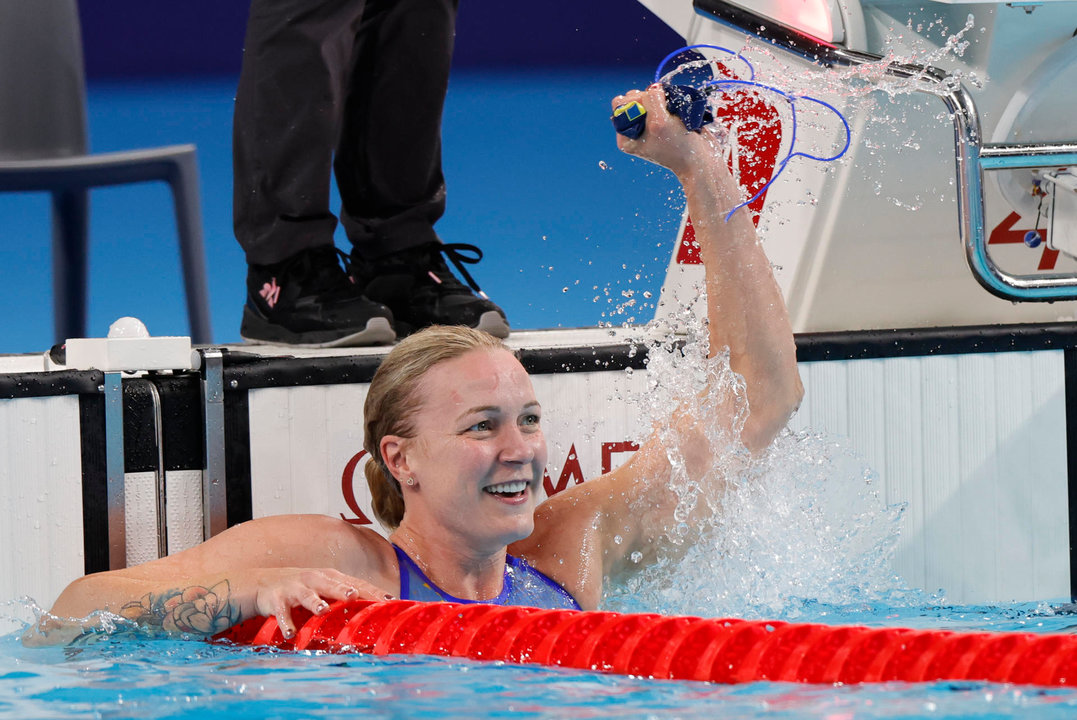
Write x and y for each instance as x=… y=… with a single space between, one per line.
x=476 y=374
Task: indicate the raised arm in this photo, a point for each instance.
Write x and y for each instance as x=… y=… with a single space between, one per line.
x=623 y=512
x=746 y=313
x=263 y=567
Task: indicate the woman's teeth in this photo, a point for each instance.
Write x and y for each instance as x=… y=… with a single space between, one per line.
x=508 y=488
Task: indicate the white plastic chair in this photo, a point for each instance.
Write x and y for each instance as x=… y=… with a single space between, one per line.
x=43 y=147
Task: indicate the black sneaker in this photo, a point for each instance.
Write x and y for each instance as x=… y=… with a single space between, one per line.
x=309 y=300
x=418 y=287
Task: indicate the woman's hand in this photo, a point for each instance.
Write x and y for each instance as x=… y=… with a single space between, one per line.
x=665 y=141
x=276 y=591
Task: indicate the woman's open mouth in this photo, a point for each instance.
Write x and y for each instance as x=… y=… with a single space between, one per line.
x=510 y=490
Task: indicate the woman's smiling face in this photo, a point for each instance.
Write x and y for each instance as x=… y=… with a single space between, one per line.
x=478 y=452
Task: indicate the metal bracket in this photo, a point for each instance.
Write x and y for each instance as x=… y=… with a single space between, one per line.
x=114 y=469
x=159 y=485
x=214 y=496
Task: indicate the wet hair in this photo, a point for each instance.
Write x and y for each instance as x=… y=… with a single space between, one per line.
x=393 y=400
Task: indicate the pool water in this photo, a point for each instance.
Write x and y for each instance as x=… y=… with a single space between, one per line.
x=124 y=676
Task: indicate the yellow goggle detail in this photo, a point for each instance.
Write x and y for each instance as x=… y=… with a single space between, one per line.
x=632 y=111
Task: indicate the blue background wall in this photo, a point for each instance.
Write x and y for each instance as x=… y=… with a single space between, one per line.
x=136 y=38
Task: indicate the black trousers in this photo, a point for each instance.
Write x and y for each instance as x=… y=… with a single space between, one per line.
x=354 y=87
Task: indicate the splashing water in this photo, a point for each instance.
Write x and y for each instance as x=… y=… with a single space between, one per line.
x=781 y=534
x=867 y=92
x=23 y=617
x=801 y=526
x=863 y=80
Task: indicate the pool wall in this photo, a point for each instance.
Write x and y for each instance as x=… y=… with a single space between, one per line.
x=967 y=426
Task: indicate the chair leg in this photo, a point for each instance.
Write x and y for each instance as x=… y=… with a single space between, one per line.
x=192 y=253
x=70 y=220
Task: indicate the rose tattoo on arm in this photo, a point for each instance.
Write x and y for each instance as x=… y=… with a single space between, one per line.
x=195 y=609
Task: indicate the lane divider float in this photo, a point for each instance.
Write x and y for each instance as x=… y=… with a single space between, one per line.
x=721 y=650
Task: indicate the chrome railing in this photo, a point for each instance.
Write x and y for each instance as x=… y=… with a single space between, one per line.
x=973 y=155
x=214 y=495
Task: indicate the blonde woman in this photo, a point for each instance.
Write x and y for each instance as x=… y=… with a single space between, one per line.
x=454 y=429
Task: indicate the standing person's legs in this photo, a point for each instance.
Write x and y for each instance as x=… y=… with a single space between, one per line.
x=289 y=104
x=388 y=162
x=388 y=167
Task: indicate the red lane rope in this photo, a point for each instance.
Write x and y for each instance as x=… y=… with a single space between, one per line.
x=680 y=648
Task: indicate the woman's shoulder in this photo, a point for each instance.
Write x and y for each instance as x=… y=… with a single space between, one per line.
x=300 y=523
x=317 y=540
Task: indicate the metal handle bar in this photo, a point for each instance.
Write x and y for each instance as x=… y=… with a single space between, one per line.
x=973 y=156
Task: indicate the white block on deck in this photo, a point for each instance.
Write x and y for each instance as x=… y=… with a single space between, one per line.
x=132 y=354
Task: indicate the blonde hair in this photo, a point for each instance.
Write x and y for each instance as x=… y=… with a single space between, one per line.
x=392 y=401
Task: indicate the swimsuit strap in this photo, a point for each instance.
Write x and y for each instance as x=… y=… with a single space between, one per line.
x=523 y=585
x=410 y=570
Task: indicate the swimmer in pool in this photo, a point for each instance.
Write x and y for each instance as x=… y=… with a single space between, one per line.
x=454 y=431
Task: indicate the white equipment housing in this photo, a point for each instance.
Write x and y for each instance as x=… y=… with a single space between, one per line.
x=880 y=244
